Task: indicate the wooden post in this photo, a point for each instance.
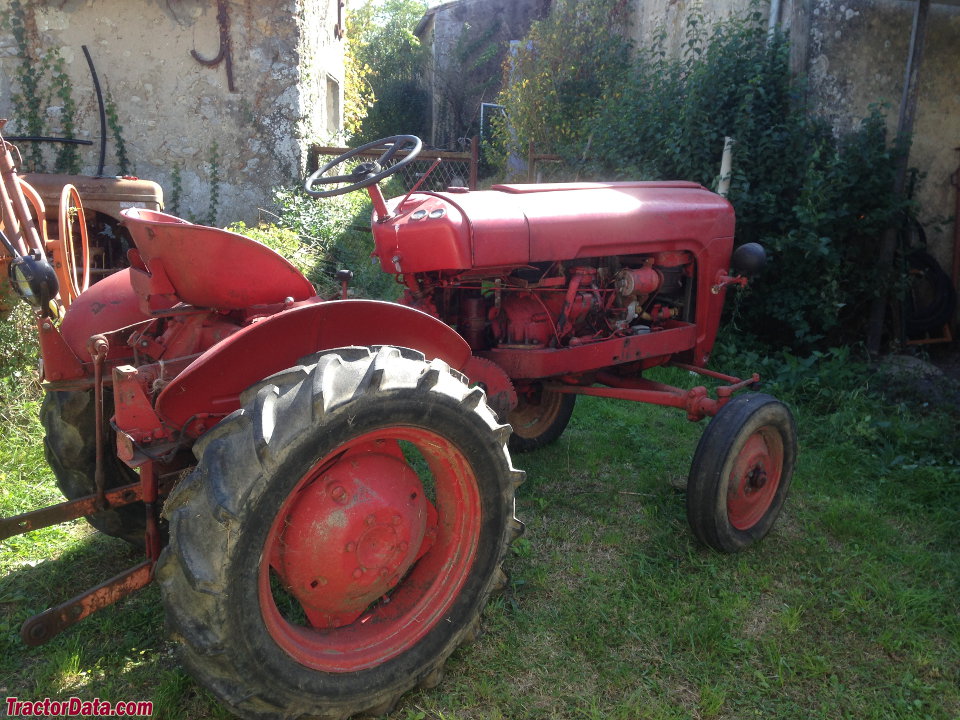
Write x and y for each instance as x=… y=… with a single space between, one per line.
x=474 y=161
x=908 y=111
x=799 y=36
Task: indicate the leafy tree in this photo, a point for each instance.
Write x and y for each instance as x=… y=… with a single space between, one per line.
x=387 y=60
x=570 y=59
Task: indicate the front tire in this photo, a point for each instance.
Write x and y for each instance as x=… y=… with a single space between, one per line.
x=339 y=536
x=741 y=472
x=539 y=419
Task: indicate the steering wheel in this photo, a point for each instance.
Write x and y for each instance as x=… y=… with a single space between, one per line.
x=75 y=276
x=366 y=173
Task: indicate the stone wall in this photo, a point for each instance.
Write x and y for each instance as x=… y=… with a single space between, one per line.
x=858 y=53
x=287 y=68
x=854 y=53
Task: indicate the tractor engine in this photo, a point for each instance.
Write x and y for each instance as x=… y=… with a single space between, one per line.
x=569 y=304
x=528 y=268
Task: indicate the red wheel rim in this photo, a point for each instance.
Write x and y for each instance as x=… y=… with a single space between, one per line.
x=754 y=478
x=426 y=591
x=531 y=419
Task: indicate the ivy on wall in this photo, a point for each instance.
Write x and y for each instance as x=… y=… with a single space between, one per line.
x=43 y=91
x=43 y=103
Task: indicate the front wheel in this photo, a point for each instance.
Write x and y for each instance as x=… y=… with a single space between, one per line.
x=339 y=536
x=540 y=418
x=741 y=472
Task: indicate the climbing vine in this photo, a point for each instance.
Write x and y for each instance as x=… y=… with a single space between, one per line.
x=213 y=207
x=68 y=157
x=176 y=190
x=570 y=59
x=358 y=93
x=31 y=99
x=474 y=77
x=116 y=132
x=43 y=91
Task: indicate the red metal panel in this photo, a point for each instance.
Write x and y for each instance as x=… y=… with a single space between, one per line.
x=60 y=362
x=528 y=189
x=134 y=415
x=108 y=305
x=426 y=233
x=518 y=224
x=213 y=382
x=550 y=362
x=498 y=229
x=623 y=220
x=214 y=268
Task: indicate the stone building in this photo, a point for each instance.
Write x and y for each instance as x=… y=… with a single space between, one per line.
x=213 y=98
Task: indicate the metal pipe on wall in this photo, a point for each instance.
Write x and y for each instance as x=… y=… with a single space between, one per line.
x=955 y=273
x=774 y=16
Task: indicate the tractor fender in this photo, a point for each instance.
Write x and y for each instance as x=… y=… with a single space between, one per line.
x=210 y=386
x=108 y=305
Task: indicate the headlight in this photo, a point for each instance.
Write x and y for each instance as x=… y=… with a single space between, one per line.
x=33 y=279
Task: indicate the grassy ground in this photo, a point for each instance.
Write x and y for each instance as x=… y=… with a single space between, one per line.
x=849 y=609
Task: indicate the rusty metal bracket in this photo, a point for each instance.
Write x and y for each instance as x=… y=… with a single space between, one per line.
x=98 y=348
x=79 y=507
x=43 y=627
x=224 y=54
x=340 y=29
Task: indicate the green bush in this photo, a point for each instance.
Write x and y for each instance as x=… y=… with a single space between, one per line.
x=286 y=242
x=323 y=236
x=818 y=202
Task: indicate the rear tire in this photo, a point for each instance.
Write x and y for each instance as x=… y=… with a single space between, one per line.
x=741 y=472
x=70 y=446
x=540 y=419
x=299 y=464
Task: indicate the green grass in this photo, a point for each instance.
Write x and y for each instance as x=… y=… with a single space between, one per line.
x=849 y=609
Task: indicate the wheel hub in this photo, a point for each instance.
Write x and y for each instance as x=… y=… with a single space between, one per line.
x=352 y=535
x=756 y=479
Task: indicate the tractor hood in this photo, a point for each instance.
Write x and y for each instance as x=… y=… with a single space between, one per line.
x=512 y=225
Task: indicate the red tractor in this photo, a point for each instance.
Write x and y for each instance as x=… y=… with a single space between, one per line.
x=323 y=489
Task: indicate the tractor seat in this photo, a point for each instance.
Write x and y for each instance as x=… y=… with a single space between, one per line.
x=213 y=268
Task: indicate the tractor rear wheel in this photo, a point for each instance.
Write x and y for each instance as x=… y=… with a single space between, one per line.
x=70 y=446
x=539 y=418
x=741 y=472
x=339 y=536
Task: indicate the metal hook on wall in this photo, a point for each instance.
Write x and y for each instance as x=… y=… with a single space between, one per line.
x=224 y=55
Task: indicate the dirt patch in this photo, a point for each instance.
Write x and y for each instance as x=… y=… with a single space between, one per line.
x=927 y=382
x=947 y=358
